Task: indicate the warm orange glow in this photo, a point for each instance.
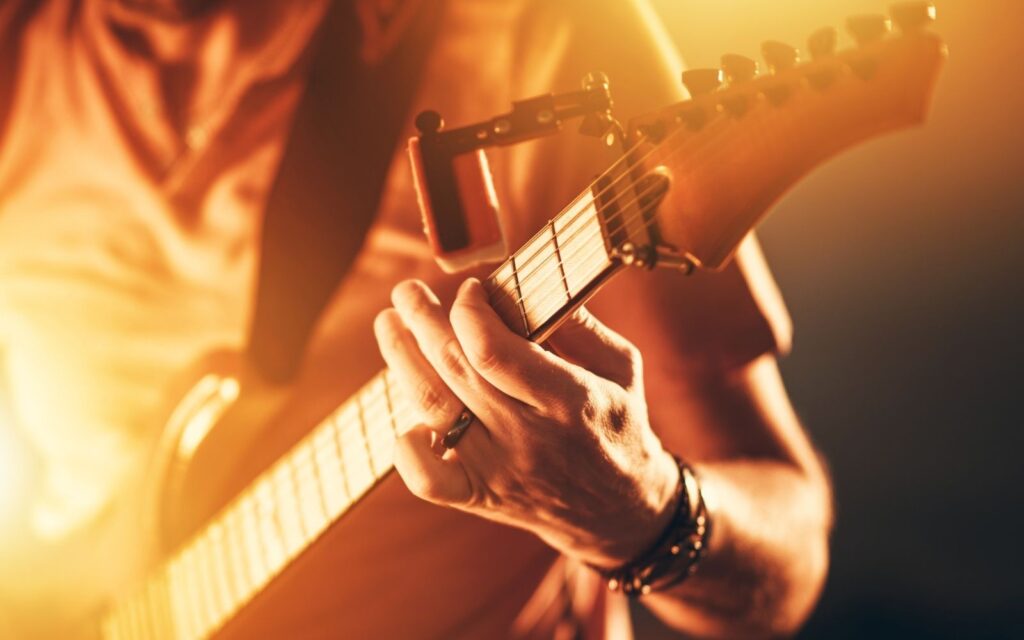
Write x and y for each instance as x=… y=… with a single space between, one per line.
x=14 y=475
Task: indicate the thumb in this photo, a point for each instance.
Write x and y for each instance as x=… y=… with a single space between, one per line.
x=428 y=475
x=586 y=341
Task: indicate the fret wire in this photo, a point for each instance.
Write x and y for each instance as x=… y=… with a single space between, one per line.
x=394 y=412
x=232 y=561
x=180 y=599
x=571 y=237
x=519 y=296
x=391 y=409
x=212 y=595
x=624 y=221
x=341 y=459
x=227 y=558
x=320 y=481
x=558 y=256
x=362 y=430
x=625 y=157
x=545 y=298
x=283 y=488
x=199 y=588
x=622 y=161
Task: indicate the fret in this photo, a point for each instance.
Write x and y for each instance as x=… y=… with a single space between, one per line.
x=182 y=611
x=287 y=506
x=385 y=377
x=378 y=421
x=251 y=540
x=311 y=499
x=361 y=423
x=328 y=469
x=270 y=532
x=558 y=259
x=506 y=298
x=212 y=597
x=233 y=536
x=540 y=279
x=519 y=299
x=195 y=588
x=326 y=472
x=223 y=572
x=355 y=464
x=582 y=244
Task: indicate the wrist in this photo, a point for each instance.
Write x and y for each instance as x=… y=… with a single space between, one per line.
x=634 y=530
x=676 y=551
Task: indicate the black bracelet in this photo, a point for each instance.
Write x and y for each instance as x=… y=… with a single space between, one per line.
x=677 y=551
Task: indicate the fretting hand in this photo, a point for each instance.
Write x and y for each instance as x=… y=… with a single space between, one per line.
x=561 y=446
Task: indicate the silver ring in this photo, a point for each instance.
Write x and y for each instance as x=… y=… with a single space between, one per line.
x=458 y=428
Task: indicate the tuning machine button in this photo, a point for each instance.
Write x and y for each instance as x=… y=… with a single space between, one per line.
x=822 y=43
x=779 y=56
x=700 y=82
x=738 y=69
x=429 y=122
x=912 y=16
x=866 y=29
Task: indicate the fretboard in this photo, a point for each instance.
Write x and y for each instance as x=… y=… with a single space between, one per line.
x=291 y=504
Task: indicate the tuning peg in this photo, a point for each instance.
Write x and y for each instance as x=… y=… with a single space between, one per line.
x=779 y=55
x=429 y=122
x=911 y=16
x=822 y=42
x=868 y=28
x=738 y=68
x=700 y=82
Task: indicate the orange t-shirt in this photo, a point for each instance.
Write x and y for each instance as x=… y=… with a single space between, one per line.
x=136 y=153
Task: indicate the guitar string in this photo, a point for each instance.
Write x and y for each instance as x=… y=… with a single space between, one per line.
x=346 y=433
x=626 y=157
x=620 y=201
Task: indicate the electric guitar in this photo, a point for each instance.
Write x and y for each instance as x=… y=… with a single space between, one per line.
x=695 y=179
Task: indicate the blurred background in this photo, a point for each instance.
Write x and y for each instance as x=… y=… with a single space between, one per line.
x=902 y=264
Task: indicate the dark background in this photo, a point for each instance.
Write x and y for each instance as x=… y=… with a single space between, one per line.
x=901 y=263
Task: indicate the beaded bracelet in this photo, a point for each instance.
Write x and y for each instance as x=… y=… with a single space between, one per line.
x=678 y=550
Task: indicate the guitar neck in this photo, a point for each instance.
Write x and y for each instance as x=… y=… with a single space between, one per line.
x=288 y=506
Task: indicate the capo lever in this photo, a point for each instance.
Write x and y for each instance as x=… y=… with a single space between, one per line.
x=453 y=180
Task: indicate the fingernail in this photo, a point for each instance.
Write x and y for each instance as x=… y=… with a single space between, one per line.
x=472 y=287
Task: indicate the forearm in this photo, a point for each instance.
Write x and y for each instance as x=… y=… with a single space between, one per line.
x=769 y=497
x=767 y=557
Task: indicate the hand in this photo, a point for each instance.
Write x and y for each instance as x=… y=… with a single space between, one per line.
x=561 y=446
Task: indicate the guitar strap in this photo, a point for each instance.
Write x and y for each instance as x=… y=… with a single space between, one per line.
x=333 y=169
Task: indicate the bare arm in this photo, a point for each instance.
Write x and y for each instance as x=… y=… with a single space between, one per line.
x=771 y=509
x=563 y=447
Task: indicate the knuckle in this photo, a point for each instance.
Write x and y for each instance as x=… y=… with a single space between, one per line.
x=410 y=295
x=485 y=355
x=452 y=359
x=423 y=487
x=433 y=404
x=385 y=329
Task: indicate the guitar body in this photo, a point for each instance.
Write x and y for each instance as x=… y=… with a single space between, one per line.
x=354 y=581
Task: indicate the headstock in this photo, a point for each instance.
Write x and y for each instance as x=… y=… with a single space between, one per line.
x=744 y=139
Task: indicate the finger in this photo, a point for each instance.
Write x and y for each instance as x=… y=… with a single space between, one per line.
x=513 y=364
x=434 y=403
x=586 y=341
x=424 y=317
x=434 y=478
